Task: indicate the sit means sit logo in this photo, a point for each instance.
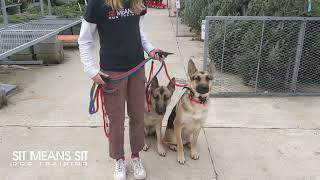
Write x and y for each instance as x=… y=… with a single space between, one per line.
x=50 y=158
x=120 y=14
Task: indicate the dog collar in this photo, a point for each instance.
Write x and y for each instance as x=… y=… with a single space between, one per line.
x=192 y=98
x=200 y=100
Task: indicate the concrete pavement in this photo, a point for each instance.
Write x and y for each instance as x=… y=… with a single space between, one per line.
x=243 y=139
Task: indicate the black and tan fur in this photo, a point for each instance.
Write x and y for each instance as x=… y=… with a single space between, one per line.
x=187 y=117
x=160 y=98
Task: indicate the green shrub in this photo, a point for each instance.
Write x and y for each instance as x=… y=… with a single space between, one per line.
x=8 y=2
x=81 y=2
x=257 y=8
x=211 y=9
x=69 y=10
x=310 y=66
x=56 y=2
x=25 y=4
x=192 y=12
x=316 y=8
x=21 y=18
x=33 y=12
x=232 y=38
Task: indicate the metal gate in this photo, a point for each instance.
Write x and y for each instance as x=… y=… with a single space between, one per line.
x=21 y=36
x=263 y=56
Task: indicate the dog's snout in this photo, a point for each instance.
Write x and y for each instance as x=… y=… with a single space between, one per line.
x=161 y=110
x=202 y=89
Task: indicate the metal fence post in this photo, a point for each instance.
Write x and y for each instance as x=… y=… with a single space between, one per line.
x=177 y=22
x=223 y=45
x=49 y=8
x=302 y=32
x=259 y=57
x=177 y=4
x=4 y=12
x=169 y=7
x=206 y=44
x=41 y=7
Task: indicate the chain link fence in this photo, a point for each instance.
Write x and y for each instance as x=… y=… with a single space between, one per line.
x=263 y=56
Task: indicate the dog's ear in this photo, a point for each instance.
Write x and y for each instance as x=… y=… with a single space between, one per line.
x=211 y=68
x=154 y=83
x=171 y=85
x=191 y=68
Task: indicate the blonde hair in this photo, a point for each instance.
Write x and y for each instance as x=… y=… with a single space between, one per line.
x=137 y=6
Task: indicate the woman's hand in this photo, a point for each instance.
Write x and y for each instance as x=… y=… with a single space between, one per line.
x=155 y=55
x=98 y=79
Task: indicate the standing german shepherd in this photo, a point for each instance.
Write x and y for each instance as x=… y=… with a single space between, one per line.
x=160 y=97
x=190 y=113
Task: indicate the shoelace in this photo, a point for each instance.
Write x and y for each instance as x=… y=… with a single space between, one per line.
x=137 y=164
x=119 y=166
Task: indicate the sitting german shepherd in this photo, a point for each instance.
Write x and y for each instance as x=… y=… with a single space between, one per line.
x=160 y=97
x=190 y=113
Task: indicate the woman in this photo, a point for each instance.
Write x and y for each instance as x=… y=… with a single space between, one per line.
x=122 y=46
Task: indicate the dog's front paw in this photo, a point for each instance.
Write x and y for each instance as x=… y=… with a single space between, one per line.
x=181 y=159
x=194 y=155
x=161 y=151
x=145 y=147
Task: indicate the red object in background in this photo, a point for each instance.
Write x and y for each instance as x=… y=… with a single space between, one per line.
x=156 y=4
x=150 y=3
x=68 y=38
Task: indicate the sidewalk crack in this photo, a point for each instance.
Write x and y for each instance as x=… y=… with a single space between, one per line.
x=211 y=155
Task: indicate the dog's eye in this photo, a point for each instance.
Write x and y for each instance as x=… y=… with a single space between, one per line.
x=165 y=97
x=156 y=96
x=209 y=78
x=197 y=78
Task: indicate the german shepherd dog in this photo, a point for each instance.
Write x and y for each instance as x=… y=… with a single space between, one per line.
x=160 y=97
x=190 y=113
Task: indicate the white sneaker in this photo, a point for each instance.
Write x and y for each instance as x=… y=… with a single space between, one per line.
x=120 y=170
x=138 y=170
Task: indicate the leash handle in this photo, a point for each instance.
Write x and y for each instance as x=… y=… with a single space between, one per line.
x=96 y=95
x=104 y=114
x=163 y=53
x=148 y=100
x=92 y=108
